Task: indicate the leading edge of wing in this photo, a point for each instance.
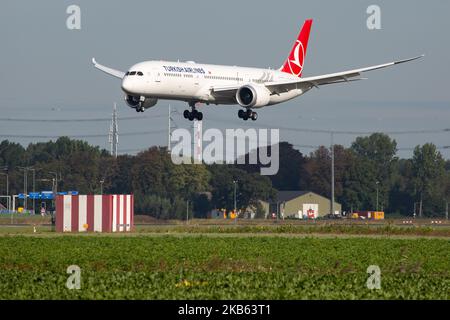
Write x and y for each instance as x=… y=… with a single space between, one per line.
x=110 y=71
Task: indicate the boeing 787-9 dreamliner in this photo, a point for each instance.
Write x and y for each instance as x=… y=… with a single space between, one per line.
x=252 y=88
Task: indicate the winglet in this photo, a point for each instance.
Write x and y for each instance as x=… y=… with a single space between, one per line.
x=410 y=59
x=110 y=71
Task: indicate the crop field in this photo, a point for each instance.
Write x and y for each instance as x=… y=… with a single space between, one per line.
x=222 y=266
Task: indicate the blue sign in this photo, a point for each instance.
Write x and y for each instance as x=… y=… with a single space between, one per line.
x=34 y=195
x=45 y=195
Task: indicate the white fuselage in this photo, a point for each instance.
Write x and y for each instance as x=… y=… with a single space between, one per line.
x=192 y=82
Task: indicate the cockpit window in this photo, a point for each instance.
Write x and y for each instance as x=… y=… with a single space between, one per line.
x=132 y=73
x=128 y=72
x=140 y=73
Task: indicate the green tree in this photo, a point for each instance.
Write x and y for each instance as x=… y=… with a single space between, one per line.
x=250 y=187
x=11 y=154
x=429 y=179
x=291 y=174
x=377 y=154
x=119 y=178
x=401 y=198
x=150 y=172
x=202 y=205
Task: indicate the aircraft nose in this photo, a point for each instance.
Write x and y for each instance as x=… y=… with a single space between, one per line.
x=126 y=85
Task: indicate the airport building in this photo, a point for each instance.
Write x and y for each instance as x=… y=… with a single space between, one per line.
x=300 y=205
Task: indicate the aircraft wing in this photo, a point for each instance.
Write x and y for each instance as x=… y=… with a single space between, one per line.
x=339 y=77
x=225 y=91
x=277 y=87
x=110 y=71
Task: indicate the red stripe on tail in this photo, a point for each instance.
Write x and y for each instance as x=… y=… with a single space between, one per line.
x=296 y=59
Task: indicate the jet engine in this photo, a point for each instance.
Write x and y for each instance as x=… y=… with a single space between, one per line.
x=133 y=101
x=252 y=96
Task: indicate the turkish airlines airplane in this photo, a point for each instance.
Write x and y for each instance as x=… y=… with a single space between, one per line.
x=251 y=88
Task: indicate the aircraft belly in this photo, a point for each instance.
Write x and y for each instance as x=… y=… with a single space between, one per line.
x=285 y=96
x=171 y=91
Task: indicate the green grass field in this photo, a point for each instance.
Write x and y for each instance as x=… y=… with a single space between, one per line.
x=222 y=266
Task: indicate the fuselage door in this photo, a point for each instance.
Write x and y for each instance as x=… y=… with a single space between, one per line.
x=157 y=74
x=196 y=79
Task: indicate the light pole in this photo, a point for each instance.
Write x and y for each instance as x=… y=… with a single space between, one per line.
x=377 y=193
x=8 y=201
x=25 y=185
x=278 y=206
x=34 y=190
x=332 y=173
x=446 y=210
x=48 y=180
x=415 y=209
x=55 y=181
x=235 y=213
x=187 y=211
x=101 y=185
x=55 y=187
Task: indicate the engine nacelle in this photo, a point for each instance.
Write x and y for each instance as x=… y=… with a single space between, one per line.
x=252 y=96
x=133 y=101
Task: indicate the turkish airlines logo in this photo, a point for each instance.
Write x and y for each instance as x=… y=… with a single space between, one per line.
x=296 y=59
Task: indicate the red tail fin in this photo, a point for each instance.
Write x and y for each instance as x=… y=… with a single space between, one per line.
x=295 y=61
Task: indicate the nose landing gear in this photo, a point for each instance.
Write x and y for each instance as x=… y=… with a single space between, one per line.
x=140 y=107
x=194 y=114
x=247 y=114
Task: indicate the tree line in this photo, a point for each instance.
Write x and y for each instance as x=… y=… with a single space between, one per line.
x=369 y=167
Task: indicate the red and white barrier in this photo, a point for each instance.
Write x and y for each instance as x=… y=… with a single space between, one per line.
x=98 y=213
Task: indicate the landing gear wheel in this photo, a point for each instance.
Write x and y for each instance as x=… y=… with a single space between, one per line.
x=254 y=116
x=193 y=114
x=245 y=117
x=241 y=114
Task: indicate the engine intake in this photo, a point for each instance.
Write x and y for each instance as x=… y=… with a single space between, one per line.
x=252 y=96
x=133 y=102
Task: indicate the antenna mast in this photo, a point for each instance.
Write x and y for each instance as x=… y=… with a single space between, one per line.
x=114 y=133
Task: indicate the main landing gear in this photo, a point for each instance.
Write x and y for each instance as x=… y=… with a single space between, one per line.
x=247 y=114
x=194 y=114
